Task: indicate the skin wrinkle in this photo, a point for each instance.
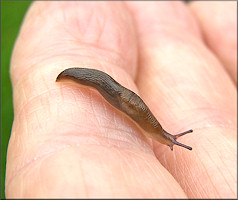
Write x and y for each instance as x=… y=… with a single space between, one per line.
x=106 y=110
x=78 y=103
x=27 y=164
x=40 y=13
x=62 y=55
x=209 y=109
x=211 y=158
x=24 y=94
x=184 y=170
x=123 y=159
x=45 y=155
x=159 y=176
x=125 y=177
x=114 y=54
x=224 y=164
x=32 y=111
x=118 y=59
x=24 y=112
x=187 y=188
x=48 y=111
x=224 y=177
x=136 y=168
x=102 y=26
x=89 y=19
x=114 y=117
x=138 y=155
x=38 y=121
x=126 y=134
x=208 y=153
x=109 y=181
x=148 y=182
x=114 y=141
x=83 y=178
x=93 y=18
x=124 y=139
x=109 y=50
x=213 y=123
x=195 y=191
x=43 y=186
x=64 y=16
x=100 y=109
x=175 y=167
x=91 y=105
x=210 y=179
x=211 y=84
x=69 y=19
x=153 y=172
x=204 y=138
x=27 y=132
x=130 y=128
x=44 y=82
x=115 y=122
x=30 y=99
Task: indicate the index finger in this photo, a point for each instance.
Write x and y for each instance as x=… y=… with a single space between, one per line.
x=55 y=125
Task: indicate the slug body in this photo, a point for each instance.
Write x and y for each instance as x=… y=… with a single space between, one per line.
x=124 y=100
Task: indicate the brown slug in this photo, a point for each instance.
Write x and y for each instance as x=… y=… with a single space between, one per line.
x=125 y=101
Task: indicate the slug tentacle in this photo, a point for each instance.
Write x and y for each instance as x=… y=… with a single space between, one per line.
x=183 y=133
x=125 y=101
x=173 y=138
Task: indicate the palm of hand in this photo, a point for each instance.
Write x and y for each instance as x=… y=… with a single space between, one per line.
x=68 y=142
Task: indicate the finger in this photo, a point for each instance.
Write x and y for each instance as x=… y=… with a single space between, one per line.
x=186 y=88
x=67 y=135
x=218 y=22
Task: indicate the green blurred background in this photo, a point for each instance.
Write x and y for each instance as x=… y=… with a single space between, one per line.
x=12 y=14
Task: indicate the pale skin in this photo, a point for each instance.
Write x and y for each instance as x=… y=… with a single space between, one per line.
x=67 y=141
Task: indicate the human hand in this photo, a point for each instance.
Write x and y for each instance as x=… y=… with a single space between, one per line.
x=67 y=141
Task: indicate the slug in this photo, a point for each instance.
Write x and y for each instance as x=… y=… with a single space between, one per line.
x=125 y=101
